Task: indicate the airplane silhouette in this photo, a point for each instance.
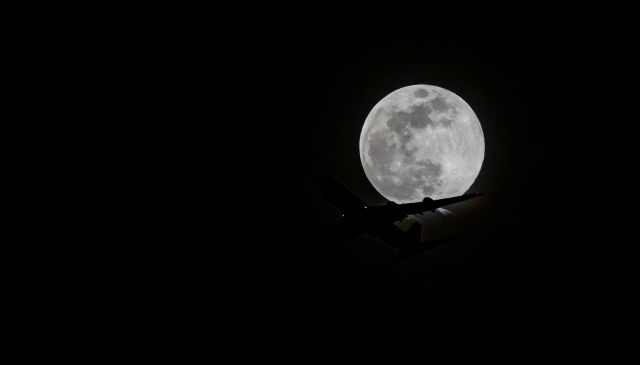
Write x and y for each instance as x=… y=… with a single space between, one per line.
x=357 y=218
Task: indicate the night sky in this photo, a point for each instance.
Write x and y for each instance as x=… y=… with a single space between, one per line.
x=160 y=199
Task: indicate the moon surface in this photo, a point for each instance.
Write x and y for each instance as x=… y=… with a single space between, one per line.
x=421 y=141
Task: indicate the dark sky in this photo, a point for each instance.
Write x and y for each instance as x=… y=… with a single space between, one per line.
x=160 y=200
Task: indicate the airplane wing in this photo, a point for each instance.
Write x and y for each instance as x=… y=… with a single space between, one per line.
x=394 y=212
x=435 y=204
x=349 y=204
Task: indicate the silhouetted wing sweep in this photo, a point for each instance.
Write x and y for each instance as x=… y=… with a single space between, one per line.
x=394 y=212
x=435 y=204
x=349 y=204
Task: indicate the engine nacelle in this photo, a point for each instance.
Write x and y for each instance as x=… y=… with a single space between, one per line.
x=427 y=200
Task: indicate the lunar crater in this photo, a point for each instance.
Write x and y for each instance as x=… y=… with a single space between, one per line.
x=421 y=93
x=419 y=117
x=440 y=104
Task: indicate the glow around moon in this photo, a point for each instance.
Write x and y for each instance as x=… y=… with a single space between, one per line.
x=419 y=141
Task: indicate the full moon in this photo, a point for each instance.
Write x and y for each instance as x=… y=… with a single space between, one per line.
x=421 y=141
